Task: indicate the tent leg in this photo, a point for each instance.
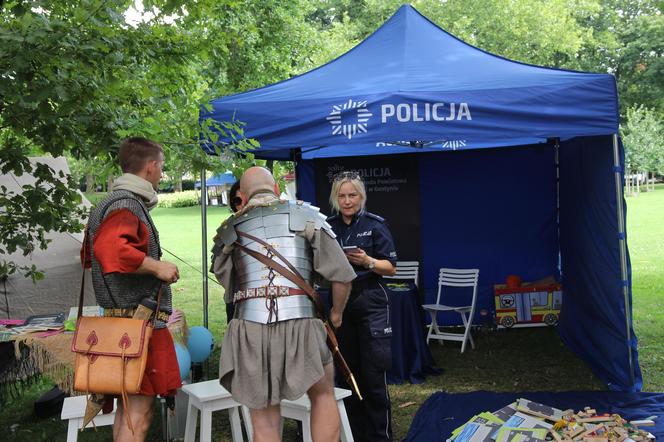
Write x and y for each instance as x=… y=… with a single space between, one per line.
x=204 y=251
x=623 y=252
x=556 y=153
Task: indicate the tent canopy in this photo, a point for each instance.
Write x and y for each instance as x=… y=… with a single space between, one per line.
x=412 y=83
x=548 y=203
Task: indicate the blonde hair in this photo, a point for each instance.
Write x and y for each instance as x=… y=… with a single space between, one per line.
x=356 y=181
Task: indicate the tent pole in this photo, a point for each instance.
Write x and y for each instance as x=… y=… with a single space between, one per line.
x=556 y=156
x=623 y=252
x=204 y=251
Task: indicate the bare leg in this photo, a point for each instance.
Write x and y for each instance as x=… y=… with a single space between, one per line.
x=141 y=410
x=325 y=421
x=267 y=424
x=119 y=418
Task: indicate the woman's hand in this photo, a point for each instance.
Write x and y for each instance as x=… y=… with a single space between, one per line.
x=358 y=257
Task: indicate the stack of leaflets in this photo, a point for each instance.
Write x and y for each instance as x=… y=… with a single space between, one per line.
x=5 y=334
x=525 y=421
x=39 y=323
x=513 y=422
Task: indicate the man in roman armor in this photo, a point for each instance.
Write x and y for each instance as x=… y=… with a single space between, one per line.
x=275 y=346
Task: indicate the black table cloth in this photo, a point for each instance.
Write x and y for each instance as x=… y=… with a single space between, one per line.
x=411 y=357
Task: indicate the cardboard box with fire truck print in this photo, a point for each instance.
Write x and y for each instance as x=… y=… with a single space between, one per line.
x=527 y=305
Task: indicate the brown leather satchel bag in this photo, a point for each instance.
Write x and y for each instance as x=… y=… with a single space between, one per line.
x=111 y=354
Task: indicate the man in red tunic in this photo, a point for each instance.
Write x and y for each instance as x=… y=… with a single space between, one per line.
x=122 y=249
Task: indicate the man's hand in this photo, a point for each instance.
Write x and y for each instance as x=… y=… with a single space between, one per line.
x=167 y=272
x=164 y=270
x=336 y=317
x=340 y=292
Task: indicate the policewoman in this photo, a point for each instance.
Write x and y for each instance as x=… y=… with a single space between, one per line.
x=365 y=333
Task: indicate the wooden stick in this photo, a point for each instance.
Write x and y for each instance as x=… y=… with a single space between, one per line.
x=587 y=432
x=555 y=435
x=595 y=419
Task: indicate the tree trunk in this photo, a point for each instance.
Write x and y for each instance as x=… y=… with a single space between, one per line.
x=627 y=189
x=629 y=180
x=90 y=185
x=109 y=183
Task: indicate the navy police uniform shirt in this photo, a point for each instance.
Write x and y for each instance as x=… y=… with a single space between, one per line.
x=370 y=233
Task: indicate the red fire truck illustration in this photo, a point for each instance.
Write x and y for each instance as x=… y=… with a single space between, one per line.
x=527 y=306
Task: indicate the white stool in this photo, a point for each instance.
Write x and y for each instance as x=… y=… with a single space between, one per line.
x=73 y=409
x=300 y=409
x=207 y=397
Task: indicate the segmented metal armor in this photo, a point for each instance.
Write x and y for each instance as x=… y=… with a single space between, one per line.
x=261 y=294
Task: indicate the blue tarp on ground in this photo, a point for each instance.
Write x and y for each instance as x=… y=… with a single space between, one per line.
x=443 y=412
x=412 y=84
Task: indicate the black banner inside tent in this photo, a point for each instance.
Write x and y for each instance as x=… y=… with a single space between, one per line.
x=393 y=192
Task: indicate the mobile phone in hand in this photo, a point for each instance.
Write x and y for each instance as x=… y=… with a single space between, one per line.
x=350 y=249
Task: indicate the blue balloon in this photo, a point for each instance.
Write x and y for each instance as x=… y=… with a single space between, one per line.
x=200 y=343
x=184 y=360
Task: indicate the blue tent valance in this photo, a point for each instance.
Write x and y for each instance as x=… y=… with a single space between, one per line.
x=412 y=83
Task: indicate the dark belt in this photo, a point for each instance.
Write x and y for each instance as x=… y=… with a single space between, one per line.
x=129 y=312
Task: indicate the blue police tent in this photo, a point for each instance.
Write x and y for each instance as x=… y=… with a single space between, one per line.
x=218 y=180
x=509 y=167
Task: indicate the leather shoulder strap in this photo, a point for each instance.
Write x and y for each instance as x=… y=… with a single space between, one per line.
x=85 y=257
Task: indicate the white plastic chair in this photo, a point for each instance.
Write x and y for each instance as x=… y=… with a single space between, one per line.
x=300 y=410
x=406 y=270
x=204 y=398
x=73 y=410
x=454 y=278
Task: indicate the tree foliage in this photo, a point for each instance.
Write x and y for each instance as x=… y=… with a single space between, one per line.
x=642 y=136
x=641 y=63
x=76 y=79
x=627 y=41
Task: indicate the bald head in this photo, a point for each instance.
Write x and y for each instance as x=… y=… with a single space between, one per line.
x=254 y=179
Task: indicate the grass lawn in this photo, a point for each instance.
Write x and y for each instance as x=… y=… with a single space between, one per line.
x=645 y=240
x=180 y=234
x=508 y=360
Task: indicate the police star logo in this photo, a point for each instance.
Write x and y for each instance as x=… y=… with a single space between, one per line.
x=349 y=118
x=333 y=170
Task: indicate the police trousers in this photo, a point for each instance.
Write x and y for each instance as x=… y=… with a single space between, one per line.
x=365 y=341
